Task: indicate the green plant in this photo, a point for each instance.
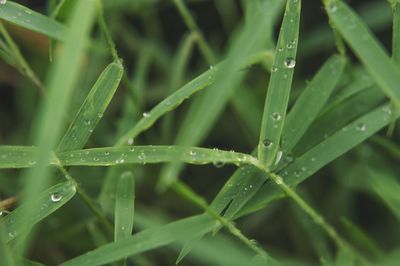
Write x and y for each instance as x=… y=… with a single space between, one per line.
x=91 y=157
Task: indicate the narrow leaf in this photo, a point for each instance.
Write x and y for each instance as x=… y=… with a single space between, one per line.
x=48 y=202
x=29 y=19
x=124 y=206
x=92 y=109
x=279 y=85
x=367 y=48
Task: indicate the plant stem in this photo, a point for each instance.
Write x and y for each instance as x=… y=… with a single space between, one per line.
x=191 y=24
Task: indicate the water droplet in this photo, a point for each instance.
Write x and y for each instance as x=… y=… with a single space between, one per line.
x=280 y=49
x=11 y=234
x=146 y=114
x=119 y=161
x=290 y=62
x=55 y=197
x=278 y=157
x=291 y=45
x=297 y=173
x=274 y=69
x=107 y=153
x=387 y=110
x=211 y=66
x=192 y=153
x=276 y=116
x=32 y=162
x=313 y=159
x=96 y=159
x=130 y=141
x=361 y=127
x=1 y=213
x=267 y=143
x=219 y=164
x=27 y=11
x=99 y=115
x=2 y=2
x=88 y=122
x=142 y=156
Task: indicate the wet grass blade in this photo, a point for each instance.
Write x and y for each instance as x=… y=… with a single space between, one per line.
x=145 y=240
x=279 y=85
x=17 y=156
x=151 y=154
x=29 y=19
x=48 y=202
x=366 y=47
x=308 y=106
x=325 y=152
x=92 y=109
x=124 y=206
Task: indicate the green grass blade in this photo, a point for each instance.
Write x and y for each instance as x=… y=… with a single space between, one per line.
x=152 y=154
x=17 y=156
x=328 y=150
x=387 y=188
x=145 y=240
x=124 y=206
x=6 y=257
x=92 y=109
x=396 y=31
x=367 y=48
x=206 y=109
x=48 y=202
x=29 y=19
x=279 y=85
x=311 y=101
x=62 y=80
x=364 y=241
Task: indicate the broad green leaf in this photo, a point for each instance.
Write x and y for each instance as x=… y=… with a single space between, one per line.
x=367 y=48
x=29 y=19
x=92 y=109
x=279 y=85
x=124 y=206
x=48 y=202
x=62 y=79
x=311 y=101
x=152 y=154
x=145 y=240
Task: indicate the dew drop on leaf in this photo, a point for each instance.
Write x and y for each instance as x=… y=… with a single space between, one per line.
x=361 y=127
x=290 y=62
x=219 y=164
x=55 y=197
x=276 y=116
x=267 y=143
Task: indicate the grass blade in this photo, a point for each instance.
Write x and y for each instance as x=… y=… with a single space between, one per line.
x=206 y=109
x=92 y=109
x=396 y=31
x=29 y=19
x=124 y=206
x=151 y=154
x=279 y=85
x=17 y=156
x=317 y=92
x=62 y=79
x=328 y=150
x=48 y=201
x=145 y=240
x=366 y=47
x=387 y=188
